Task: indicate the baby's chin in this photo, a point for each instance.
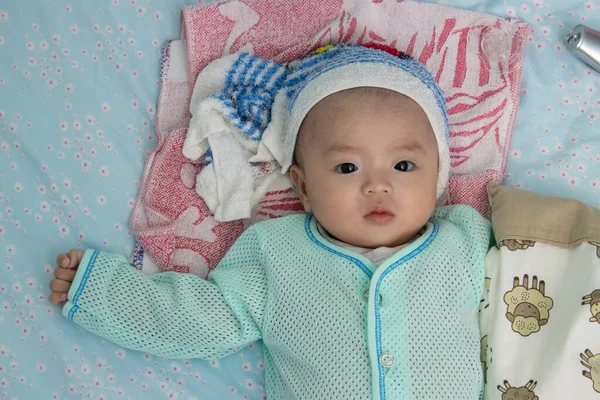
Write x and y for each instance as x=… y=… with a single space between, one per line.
x=373 y=242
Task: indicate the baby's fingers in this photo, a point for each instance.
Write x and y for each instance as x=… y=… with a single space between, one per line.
x=70 y=259
x=65 y=274
x=58 y=298
x=58 y=285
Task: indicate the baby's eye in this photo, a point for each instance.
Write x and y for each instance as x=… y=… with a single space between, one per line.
x=346 y=168
x=404 y=166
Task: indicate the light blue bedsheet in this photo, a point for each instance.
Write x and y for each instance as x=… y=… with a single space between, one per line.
x=78 y=87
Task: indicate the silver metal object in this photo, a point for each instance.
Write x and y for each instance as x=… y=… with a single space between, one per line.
x=584 y=42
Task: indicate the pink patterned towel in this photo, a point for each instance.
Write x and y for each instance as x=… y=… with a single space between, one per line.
x=173 y=224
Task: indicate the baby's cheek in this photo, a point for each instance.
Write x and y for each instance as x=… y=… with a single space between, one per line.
x=333 y=205
x=420 y=201
x=329 y=193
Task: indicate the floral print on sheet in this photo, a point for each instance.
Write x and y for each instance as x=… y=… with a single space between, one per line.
x=78 y=87
x=78 y=90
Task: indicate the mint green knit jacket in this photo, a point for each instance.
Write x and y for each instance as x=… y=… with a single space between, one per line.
x=334 y=326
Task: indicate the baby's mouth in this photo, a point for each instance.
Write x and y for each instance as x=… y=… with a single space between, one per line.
x=379 y=215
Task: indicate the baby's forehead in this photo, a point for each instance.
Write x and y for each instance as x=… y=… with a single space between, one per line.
x=366 y=91
x=326 y=113
x=353 y=101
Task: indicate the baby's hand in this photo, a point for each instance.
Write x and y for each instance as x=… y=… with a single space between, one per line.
x=64 y=275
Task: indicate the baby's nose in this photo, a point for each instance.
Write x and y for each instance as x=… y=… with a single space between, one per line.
x=377 y=185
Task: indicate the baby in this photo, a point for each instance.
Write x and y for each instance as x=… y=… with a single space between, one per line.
x=373 y=293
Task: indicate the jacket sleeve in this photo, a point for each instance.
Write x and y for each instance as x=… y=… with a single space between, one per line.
x=171 y=314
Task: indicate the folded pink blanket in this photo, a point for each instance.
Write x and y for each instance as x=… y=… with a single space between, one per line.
x=171 y=221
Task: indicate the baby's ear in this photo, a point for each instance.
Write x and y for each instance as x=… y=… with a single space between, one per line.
x=299 y=182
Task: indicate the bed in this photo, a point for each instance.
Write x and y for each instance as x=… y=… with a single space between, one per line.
x=79 y=84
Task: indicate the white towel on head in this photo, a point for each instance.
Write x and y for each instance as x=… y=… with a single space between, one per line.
x=231 y=107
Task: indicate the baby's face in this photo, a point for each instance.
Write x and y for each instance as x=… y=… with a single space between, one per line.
x=367 y=167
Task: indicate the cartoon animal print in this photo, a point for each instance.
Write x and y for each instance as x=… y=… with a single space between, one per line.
x=593 y=299
x=516 y=244
x=484 y=303
x=483 y=356
x=591 y=361
x=528 y=308
x=521 y=393
x=597 y=244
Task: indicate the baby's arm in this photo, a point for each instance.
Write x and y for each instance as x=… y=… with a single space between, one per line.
x=171 y=314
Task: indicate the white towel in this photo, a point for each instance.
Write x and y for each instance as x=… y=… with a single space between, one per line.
x=231 y=107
